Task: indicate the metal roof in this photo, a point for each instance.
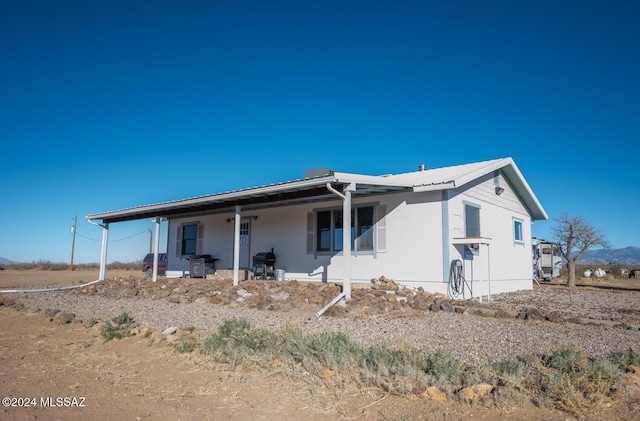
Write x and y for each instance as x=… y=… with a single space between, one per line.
x=459 y=175
x=315 y=190
x=260 y=197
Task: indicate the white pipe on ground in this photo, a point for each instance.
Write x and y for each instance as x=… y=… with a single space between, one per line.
x=328 y=306
x=13 y=291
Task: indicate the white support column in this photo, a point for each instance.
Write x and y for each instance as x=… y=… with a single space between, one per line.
x=236 y=247
x=346 y=240
x=156 y=247
x=489 y=271
x=103 y=255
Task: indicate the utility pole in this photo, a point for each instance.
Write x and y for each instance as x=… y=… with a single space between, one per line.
x=73 y=241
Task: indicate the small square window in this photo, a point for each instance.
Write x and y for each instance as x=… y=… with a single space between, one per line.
x=472 y=221
x=517 y=230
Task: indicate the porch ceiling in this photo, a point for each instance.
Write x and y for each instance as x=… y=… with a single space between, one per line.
x=274 y=195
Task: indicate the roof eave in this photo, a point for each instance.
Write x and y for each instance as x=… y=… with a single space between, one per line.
x=292 y=191
x=195 y=202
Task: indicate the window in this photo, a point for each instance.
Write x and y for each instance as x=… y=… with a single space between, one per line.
x=324 y=231
x=244 y=233
x=365 y=228
x=330 y=231
x=189 y=239
x=517 y=230
x=472 y=221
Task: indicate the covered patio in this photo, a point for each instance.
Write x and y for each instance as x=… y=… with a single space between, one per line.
x=318 y=186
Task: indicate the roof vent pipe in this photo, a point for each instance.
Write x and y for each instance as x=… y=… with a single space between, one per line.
x=422 y=167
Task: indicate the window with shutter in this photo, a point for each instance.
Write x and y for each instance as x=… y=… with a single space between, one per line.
x=190 y=242
x=382 y=228
x=329 y=231
x=310 y=233
x=200 y=239
x=179 y=242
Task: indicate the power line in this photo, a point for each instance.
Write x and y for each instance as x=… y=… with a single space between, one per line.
x=114 y=241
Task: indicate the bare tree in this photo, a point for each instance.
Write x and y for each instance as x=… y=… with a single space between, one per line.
x=575 y=233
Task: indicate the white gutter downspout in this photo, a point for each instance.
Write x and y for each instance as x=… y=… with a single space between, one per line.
x=103 y=254
x=489 y=271
x=346 y=244
x=236 y=248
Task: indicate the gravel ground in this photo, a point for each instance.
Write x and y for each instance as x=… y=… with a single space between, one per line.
x=473 y=339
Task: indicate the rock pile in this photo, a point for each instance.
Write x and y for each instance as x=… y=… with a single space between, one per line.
x=382 y=296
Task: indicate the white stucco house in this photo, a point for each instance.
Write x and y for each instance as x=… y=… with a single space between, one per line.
x=467 y=226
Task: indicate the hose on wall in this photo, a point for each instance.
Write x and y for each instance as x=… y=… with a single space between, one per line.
x=456 y=279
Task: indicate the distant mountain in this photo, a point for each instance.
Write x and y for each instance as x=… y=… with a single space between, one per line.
x=625 y=256
x=4 y=261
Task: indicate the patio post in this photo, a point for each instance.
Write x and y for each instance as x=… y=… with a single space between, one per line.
x=236 y=247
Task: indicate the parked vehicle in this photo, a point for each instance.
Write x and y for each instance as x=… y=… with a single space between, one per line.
x=147 y=264
x=547 y=260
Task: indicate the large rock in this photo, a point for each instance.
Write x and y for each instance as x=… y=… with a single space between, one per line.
x=433 y=393
x=532 y=314
x=475 y=392
x=555 y=317
x=505 y=314
x=65 y=318
x=630 y=383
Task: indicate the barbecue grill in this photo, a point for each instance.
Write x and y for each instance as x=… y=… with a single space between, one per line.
x=201 y=265
x=264 y=265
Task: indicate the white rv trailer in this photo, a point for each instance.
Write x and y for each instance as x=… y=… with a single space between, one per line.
x=547 y=259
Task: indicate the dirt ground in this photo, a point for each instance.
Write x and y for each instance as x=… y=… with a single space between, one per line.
x=50 y=278
x=67 y=372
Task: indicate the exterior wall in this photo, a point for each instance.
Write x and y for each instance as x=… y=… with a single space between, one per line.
x=418 y=251
x=413 y=250
x=504 y=264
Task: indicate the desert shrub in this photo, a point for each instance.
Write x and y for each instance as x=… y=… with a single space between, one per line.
x=185 y=344
x=444 y=370
x=333 y=350
x=403 y=362
x=5 y=300
x=237 y=342
x=136 y=265
x=625 y=358
x=48 y=265
x=388 y=368
x=506 y=372
x=564 y=379
x=579 y=385
x=117 y=328
x=565 y=360
x=90 y=323
x=401 y=370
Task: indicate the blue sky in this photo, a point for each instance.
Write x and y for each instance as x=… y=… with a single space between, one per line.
x=110 y=104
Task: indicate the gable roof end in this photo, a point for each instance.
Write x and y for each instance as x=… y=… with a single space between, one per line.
x=458 y=176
